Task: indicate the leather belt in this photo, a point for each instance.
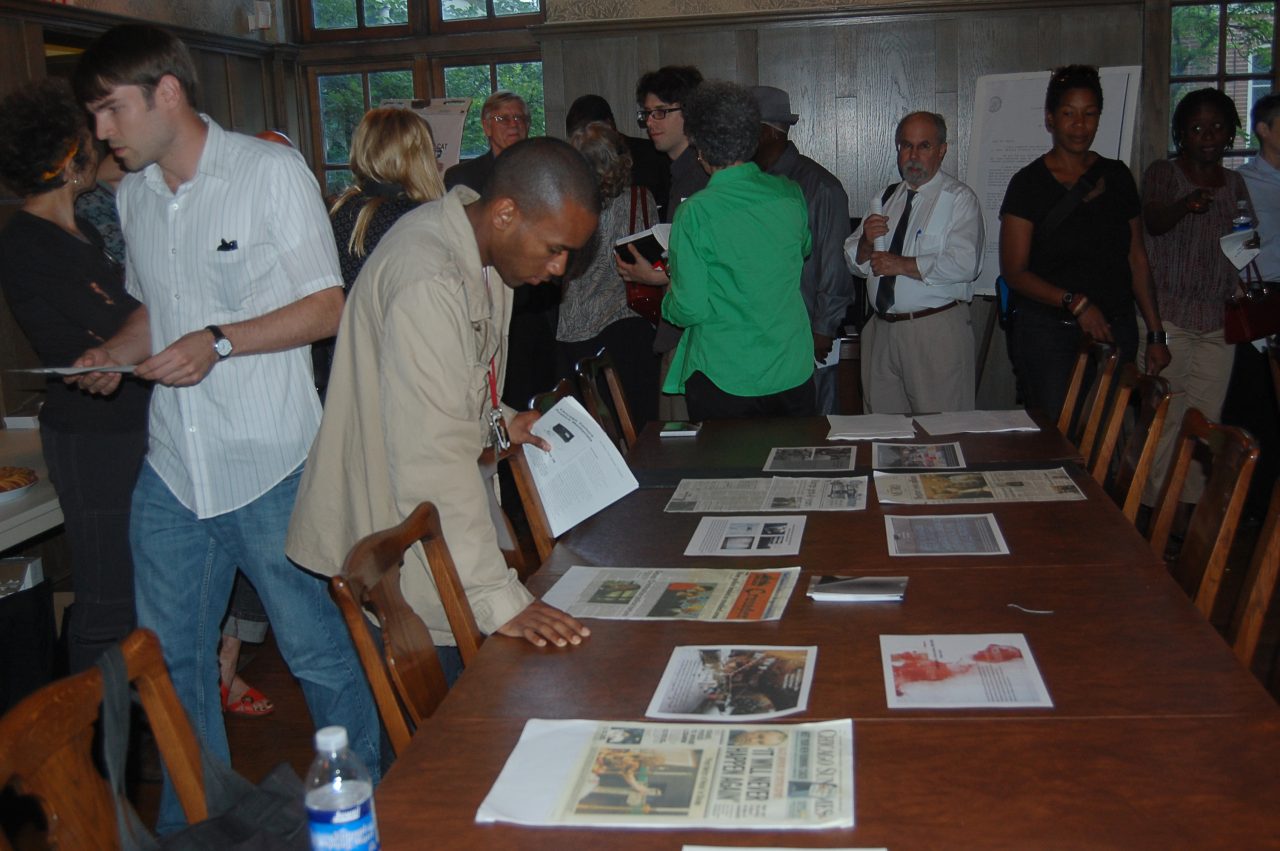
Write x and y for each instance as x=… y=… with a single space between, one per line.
x=918 y=314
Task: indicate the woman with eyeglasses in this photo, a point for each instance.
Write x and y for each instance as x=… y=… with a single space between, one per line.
x=1188 y=204
x=1071 y=249
x=736 y=251
x=68 y=295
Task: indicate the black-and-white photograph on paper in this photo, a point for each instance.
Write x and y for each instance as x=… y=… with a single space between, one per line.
x=916 y=456
x=810 y=459
x=778 y=535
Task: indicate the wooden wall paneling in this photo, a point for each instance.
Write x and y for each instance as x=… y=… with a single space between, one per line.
x=1154 y=114
x=249 y=113
x=214 y=91
x=715 y=52
x=846 y=166
x=799 y=61
x=747 y=71
x=946 y=98
x=21 y=54
x=893 y=74
x=605 y=67
x=1086 y=41
x=555 y=100
x=648 y=55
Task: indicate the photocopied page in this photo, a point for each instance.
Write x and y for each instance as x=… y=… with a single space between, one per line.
x=992 y=671
x=991 y=486
x=734 y=683
x=649 y=775
x=974 y=422
x=870 y=427
x=701 y=594
x=780 y=493
x=747 y=536
x=944 y=535
x=583 y=473
x=910 y=456
x=810 y=459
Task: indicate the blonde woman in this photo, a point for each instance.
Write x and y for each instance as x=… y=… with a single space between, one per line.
x=393 y=159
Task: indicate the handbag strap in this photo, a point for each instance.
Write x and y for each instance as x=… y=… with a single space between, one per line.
x=1067 y=203
x=636 y=192
x=116 y=705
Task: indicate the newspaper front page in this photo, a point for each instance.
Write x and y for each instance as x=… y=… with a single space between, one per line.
x=777 y=535
x=972 y=486
x=961 y=671
x=907 y=456
x=734 y=682
x=780 y=493
x=640 y=593
x=810 y=459
x=645 y=775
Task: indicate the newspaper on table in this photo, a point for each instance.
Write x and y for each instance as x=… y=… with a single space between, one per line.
x=973 y=486
x=703 y=594
x=912 y=456
x=870 y=427
x=961 y=671
x=810 y=459
x=780 y=493
x=733 y=682
x=645 y=775
x=944 y=535
x=977 y=421
x=778 y=535
x=583 y=473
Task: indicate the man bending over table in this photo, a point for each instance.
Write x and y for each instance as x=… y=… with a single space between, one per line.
x=420 y=359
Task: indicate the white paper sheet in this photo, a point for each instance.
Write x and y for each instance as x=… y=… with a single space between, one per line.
x=977 y=422
x=736 y=537
x=734 y=683
x=990 y=671
x=944 y=535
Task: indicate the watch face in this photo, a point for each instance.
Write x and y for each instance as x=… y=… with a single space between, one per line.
x=222 y=346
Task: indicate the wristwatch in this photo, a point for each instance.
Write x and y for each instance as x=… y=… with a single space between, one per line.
x=221 y=344
x=1067 y=299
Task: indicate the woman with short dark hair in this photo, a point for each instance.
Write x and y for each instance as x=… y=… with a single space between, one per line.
x=68 y=295
x=737 y=248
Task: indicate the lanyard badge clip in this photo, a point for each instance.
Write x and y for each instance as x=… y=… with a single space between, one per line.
x=501 y=438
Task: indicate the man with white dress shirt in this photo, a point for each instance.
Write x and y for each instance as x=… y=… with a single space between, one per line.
x=1262 y=175
x=918 y=348
x=232 y=256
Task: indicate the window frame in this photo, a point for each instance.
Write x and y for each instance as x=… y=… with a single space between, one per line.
x=493 y=60
x=437 y=23
x=310 y=33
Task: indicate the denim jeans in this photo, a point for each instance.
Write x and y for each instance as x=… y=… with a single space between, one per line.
x=1044 y=350
x=184 y=568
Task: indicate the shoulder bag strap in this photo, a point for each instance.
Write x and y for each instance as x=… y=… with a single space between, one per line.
x=115 y=746
x=1067 y=203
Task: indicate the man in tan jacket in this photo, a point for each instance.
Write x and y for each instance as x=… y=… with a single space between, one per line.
x=420 y=358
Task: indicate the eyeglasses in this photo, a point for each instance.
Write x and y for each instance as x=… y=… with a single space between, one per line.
x=643 y=115
x=510 y=119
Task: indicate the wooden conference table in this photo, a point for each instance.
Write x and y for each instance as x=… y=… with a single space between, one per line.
x=1157 y=737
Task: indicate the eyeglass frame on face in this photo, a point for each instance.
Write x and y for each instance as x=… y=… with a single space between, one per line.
x=658 y=114
x=503 y=118
x=926 y=145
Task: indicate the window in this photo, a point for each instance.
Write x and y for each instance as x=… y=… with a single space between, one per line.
x=455 y=15
x=1227 y=46
x=343 y=99
x=478 y=80
x=348 y=19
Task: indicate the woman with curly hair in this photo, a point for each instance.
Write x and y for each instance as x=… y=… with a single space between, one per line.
x=67 y=294
x=737 y=248
x=593 y=304
x=1188 y=203
x=393 y=160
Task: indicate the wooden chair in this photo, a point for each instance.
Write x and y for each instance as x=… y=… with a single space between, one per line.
x=46 y=749
x=613 y=416
x=406 y=677
x=518 y=551
x=1082 y=430
x=543 y=402
x=1259 y=588
x=1202 y=560
x=534 y=511
x=1134 y=467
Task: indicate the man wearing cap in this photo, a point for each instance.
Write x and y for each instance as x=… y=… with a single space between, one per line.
x=824 y=280
x=918 y=349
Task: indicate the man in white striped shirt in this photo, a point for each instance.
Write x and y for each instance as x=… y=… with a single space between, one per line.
x=230 y=252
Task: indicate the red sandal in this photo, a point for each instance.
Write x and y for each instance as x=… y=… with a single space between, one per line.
x=248 y=704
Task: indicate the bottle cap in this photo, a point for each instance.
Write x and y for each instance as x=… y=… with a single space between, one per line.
x=331 y=739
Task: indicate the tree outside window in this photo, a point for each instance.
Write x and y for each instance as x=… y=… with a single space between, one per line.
x=1228 y=46
x=478 y=81
x=344 y=99
x=470 y=10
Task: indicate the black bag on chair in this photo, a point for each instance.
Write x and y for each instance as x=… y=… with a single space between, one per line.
x=242 y=817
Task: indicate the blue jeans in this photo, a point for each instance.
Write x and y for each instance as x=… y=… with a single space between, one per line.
x=184 y=568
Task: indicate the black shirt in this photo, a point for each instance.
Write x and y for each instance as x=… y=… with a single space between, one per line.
x=68 y=296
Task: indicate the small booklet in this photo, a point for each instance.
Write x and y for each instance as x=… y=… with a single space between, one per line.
x=913 y=456
x=678 y=428
x=650 y=244
x=747 y=536
x=992 y=671
x=857 y=589
x=810 y=459
x=734 y=683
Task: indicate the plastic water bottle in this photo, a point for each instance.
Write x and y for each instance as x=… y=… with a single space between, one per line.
x=1242 y=221
x=340 y=797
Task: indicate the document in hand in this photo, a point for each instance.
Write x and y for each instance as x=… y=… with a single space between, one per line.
x=635 y=774
x=977 y=421
x=870 y=427
x=699 y=594
x=734 y=682
x=583 y=473
x=961 y=671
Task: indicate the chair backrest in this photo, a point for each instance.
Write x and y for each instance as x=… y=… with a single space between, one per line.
x=518 y=550
x=406 y=677
x=1202 y=560
x=1082 y=430
x=534 y=511
x=46 y=748
x=1133 y=469
x=543 y=402
x=614 y=415
x=1260 y=585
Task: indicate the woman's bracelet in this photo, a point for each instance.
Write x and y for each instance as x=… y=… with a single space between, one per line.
x=1157 y=338
x=1079 y=306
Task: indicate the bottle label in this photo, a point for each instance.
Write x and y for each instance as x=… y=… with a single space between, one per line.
x=352 y=829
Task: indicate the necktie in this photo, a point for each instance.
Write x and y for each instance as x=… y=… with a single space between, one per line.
x=884 y=293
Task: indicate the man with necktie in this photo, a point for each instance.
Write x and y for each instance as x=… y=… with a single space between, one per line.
x=918 y=348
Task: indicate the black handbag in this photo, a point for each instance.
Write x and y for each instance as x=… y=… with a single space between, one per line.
x=271 y=816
